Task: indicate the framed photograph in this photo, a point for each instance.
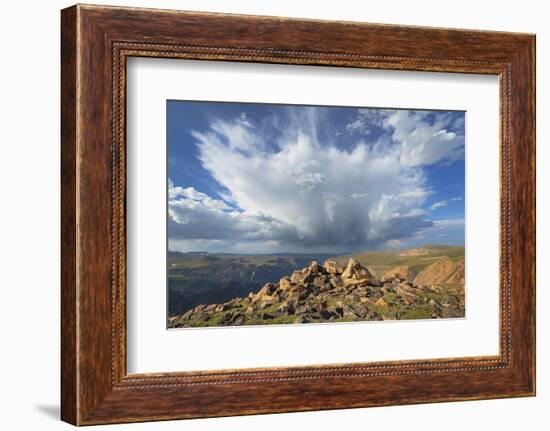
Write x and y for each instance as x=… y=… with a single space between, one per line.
x=265 y=215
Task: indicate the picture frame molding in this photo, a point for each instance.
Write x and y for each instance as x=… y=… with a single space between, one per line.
x=96 y=41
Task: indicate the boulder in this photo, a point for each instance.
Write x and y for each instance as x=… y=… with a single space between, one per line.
x=388 y=288
x=349 y=312
x=221 y=307
x=326 y=314
x=303 y=319
x=353 y=299
x=320 y=281
x=336 y=282
x=267 y=290
x=266 y=304
x=362 y=290
x=355 y=271
x=375 y=292
x=314 y=268
x=404 y=291
x=298 y=276
x=314 y=290
x=326 y=287
x=374 y=282
x=314 y=316
x=226 y=319
x=188 y=314
x=299 y=291
x=285 y=283
x=338 y=311
x=238 y=319
x=287 y=307
x=360 y=310
x=435 y=305
x=302 y=309
x=331 y=267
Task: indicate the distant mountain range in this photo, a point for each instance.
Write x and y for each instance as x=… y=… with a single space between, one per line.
x=207 y=253
x=201 y=278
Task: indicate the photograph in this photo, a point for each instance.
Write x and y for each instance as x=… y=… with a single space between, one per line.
x=292 y=214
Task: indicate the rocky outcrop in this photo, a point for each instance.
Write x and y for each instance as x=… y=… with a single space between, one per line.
x=355 y=272
x=324 y=293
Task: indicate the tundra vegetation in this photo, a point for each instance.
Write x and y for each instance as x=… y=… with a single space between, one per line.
x=217 y=290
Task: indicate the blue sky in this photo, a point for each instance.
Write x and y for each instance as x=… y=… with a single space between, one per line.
x=263 y=178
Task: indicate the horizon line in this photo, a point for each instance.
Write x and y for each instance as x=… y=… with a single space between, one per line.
x=314 y=252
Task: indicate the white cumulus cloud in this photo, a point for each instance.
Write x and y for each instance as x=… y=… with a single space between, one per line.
x=299 y=191
x=423 y=143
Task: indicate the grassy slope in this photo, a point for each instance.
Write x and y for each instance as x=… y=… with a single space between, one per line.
x=381 y=262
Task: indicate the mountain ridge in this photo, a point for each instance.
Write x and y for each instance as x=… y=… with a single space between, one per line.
x=333 y=293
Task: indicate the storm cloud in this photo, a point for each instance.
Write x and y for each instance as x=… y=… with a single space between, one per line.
x=295 y=188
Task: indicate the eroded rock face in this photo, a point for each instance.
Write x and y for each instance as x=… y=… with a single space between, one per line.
x=325 y=292
x=443 y=271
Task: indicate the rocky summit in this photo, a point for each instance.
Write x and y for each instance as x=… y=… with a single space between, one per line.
x=332 y=293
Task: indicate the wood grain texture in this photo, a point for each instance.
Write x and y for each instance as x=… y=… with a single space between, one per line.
x=69 y=397
x=96 y=41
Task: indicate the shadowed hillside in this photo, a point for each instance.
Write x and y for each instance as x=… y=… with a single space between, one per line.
x=203 y=278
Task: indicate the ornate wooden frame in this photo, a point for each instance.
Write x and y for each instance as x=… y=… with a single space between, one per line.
x=96 y=41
